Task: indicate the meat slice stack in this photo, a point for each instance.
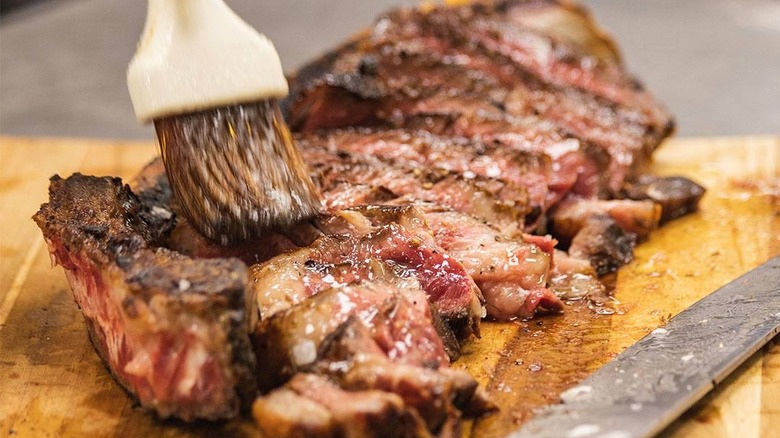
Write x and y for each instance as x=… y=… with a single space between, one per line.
x=482 y=71
x=374 y=339
x=362 y=319
x=502 y=96
x=475 y=161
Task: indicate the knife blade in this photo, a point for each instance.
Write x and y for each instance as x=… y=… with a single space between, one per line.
x=651 y=383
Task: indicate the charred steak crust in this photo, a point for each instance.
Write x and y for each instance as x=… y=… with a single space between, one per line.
x=171 y=329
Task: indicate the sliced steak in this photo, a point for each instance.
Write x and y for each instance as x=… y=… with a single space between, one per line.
x=352 y=358
x=480 y=71
x=507 y=271
x=494 y=201
x=469 y=126
x=399 y=319
x=285 y=413
x=637 y=217
x=368 y=337
x=592 y=98
x=343 y=259
x=423 y=150
x=574 y=279
x=171 y=329
x=511 y=273
x=444 y=109
x=311 y=406
x=605 y=244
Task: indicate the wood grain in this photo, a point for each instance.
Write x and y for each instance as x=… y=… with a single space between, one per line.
x=52 y=383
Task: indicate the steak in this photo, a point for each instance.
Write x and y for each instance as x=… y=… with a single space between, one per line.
x=676 y=195
x=342 y=259
x=422 y=150
x=481 y=71
x=351 y=357
x=310 y=405
x=511 y=273
x=637 y=217
x=447 y=142
x=604 y=244
x=366 y=337
x=171 y=329
x=491 y=200
x=174 y=330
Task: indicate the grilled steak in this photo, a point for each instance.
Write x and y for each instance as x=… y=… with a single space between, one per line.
x=511 y=273
x=342 y=259
x=676 y=195
x=366 y=337
x=399 y=318
x=491 y=200
x=573 y=278
x=423 y=150
x=199 y=303
x=352 y=357
x=171 y=329
x=311 y=406
x=335 y=254
x=604 y=244
x=481 y=71
x=439 y=138
x=637 y=217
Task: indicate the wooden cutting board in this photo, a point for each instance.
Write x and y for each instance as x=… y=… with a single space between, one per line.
x=52 y=383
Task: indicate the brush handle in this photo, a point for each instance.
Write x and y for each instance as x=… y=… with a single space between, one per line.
x=196 y=55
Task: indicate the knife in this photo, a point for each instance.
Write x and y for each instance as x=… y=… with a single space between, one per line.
x=654 y=381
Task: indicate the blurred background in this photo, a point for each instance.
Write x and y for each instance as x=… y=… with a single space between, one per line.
x=715 y=63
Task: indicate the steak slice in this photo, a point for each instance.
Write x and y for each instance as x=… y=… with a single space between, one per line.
x=676 y=195
x=365 y=337
x=511 y=273
x=285 y=413
x=494 y=201
x=605 y=244
x=423 y=150
x=637 y=217
x=171 y=329
x=574 y=279
x=311 y=406
x=399 y=317
x=351 y=357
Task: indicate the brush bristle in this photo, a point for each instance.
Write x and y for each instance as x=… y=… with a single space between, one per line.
x=236 y=171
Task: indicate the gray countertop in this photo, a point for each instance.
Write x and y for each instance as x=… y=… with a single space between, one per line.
x=715 y=63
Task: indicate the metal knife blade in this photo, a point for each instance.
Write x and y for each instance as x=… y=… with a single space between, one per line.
x=654 y=381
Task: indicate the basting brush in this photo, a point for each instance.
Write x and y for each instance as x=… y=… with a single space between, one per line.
x=211 y=84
